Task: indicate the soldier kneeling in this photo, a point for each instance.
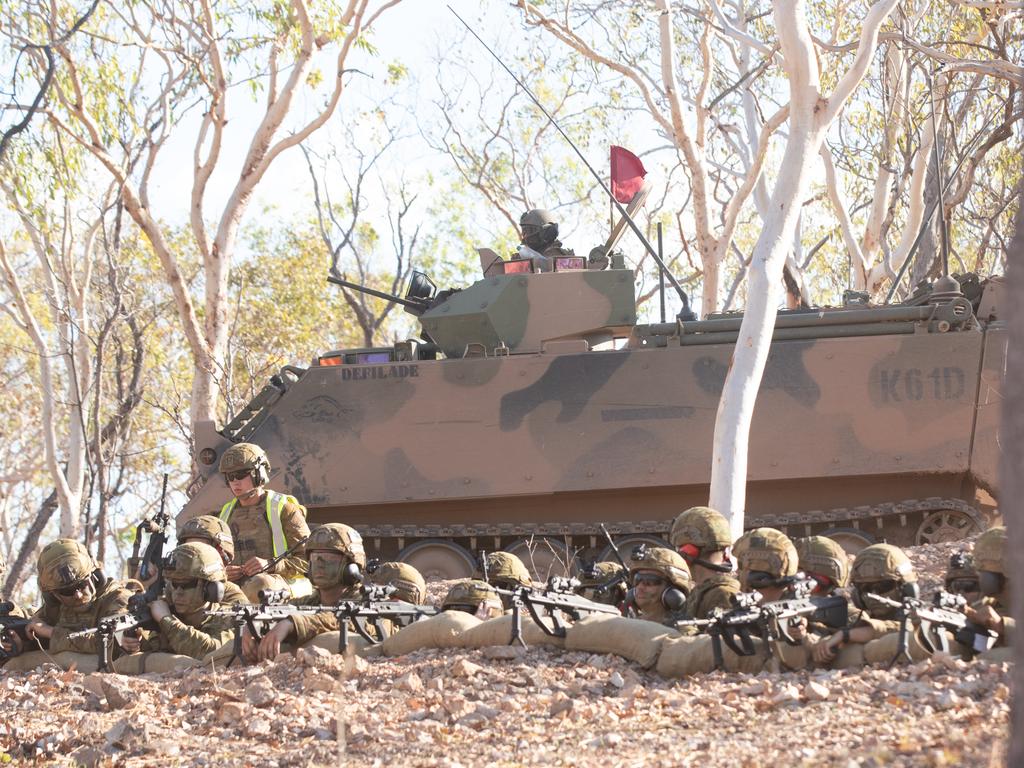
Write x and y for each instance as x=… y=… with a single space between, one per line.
x=195 y=584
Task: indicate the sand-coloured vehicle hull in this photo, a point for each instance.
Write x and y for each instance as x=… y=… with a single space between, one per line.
x=870 y=422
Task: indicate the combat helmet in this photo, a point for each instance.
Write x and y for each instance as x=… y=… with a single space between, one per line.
x=62 y=563
x=961 y=575
x=990 y=551
x=882 y=563
x=338 y=537
x=505 y=570
x=766 y=558
x=668 y=564
x=246 y=456
x=699 y=531
x=603 y=582
x=195 y=576
x=211 y=529
x=468 y=594
x=194 y=560
x=407 y=581
x=822 y=556
x=539 y=228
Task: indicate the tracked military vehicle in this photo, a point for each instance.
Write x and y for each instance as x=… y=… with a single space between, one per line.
x=535 y=407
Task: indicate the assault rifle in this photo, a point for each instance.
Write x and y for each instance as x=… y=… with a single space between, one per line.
x=550 y=603
x=11 y=626
x=749 y=617
x=152 y=562
x=365 y=614
x=109 y=628
x=936 y=622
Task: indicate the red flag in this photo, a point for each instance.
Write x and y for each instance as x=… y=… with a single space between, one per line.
x=627 y=174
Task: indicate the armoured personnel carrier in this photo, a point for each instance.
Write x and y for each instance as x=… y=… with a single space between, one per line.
x=535 y=407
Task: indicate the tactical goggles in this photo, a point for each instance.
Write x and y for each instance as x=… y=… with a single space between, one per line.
x=81 y=585
x=651 y=579
x=184 y=585
x=241 y=474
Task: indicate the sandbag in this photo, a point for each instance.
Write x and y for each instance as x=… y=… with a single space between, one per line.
x=220 y=657
x=85 y=663
x=329 y=641
x=442 y=631
x=850 y=657
x=140 y=663
x=633 y=639
x=883 y=650
x=498 y=631
x=684 y=656
x=26 y=662
x=792 y=658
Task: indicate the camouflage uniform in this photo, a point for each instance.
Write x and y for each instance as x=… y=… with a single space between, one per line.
x=990 y=563
x=695 y=533
x=824 y=560
x=194 y=633
x=714 y=592
x=671 y=567
x=875 y=564
x=253 y=526
x=337 y=538
x=63 y=563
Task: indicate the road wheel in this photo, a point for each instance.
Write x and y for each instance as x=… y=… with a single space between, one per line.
x=439 y=559
x=946 y=525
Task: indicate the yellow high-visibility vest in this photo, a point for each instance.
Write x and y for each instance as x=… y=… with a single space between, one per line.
x=275 y=503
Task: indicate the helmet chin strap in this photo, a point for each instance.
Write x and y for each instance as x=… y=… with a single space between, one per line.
x=717 y=567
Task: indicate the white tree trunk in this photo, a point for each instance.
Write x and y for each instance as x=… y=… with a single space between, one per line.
x=810 y=115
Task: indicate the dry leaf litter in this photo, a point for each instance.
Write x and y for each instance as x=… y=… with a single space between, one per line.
x=506 y=706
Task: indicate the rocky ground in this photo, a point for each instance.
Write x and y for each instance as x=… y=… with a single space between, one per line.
x=503 y=707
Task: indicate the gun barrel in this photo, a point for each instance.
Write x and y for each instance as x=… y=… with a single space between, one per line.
x=410 y=303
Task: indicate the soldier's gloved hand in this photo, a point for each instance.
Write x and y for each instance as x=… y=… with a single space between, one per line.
x=270 y=645
x=250 y=647
x=37 y=628
x=131 y=644
x=254 y=565
x=160 y=609
x=234 y=572
x=986 y=616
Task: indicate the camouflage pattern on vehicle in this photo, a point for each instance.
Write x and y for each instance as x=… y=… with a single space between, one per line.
x=537 y=408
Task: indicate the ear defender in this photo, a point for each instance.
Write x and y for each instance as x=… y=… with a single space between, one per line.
x=214 y=591
x=351 y=575
x=673 y=599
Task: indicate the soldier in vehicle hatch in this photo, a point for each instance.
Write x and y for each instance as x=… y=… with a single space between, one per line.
x=264 y=524
x=540 y=240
